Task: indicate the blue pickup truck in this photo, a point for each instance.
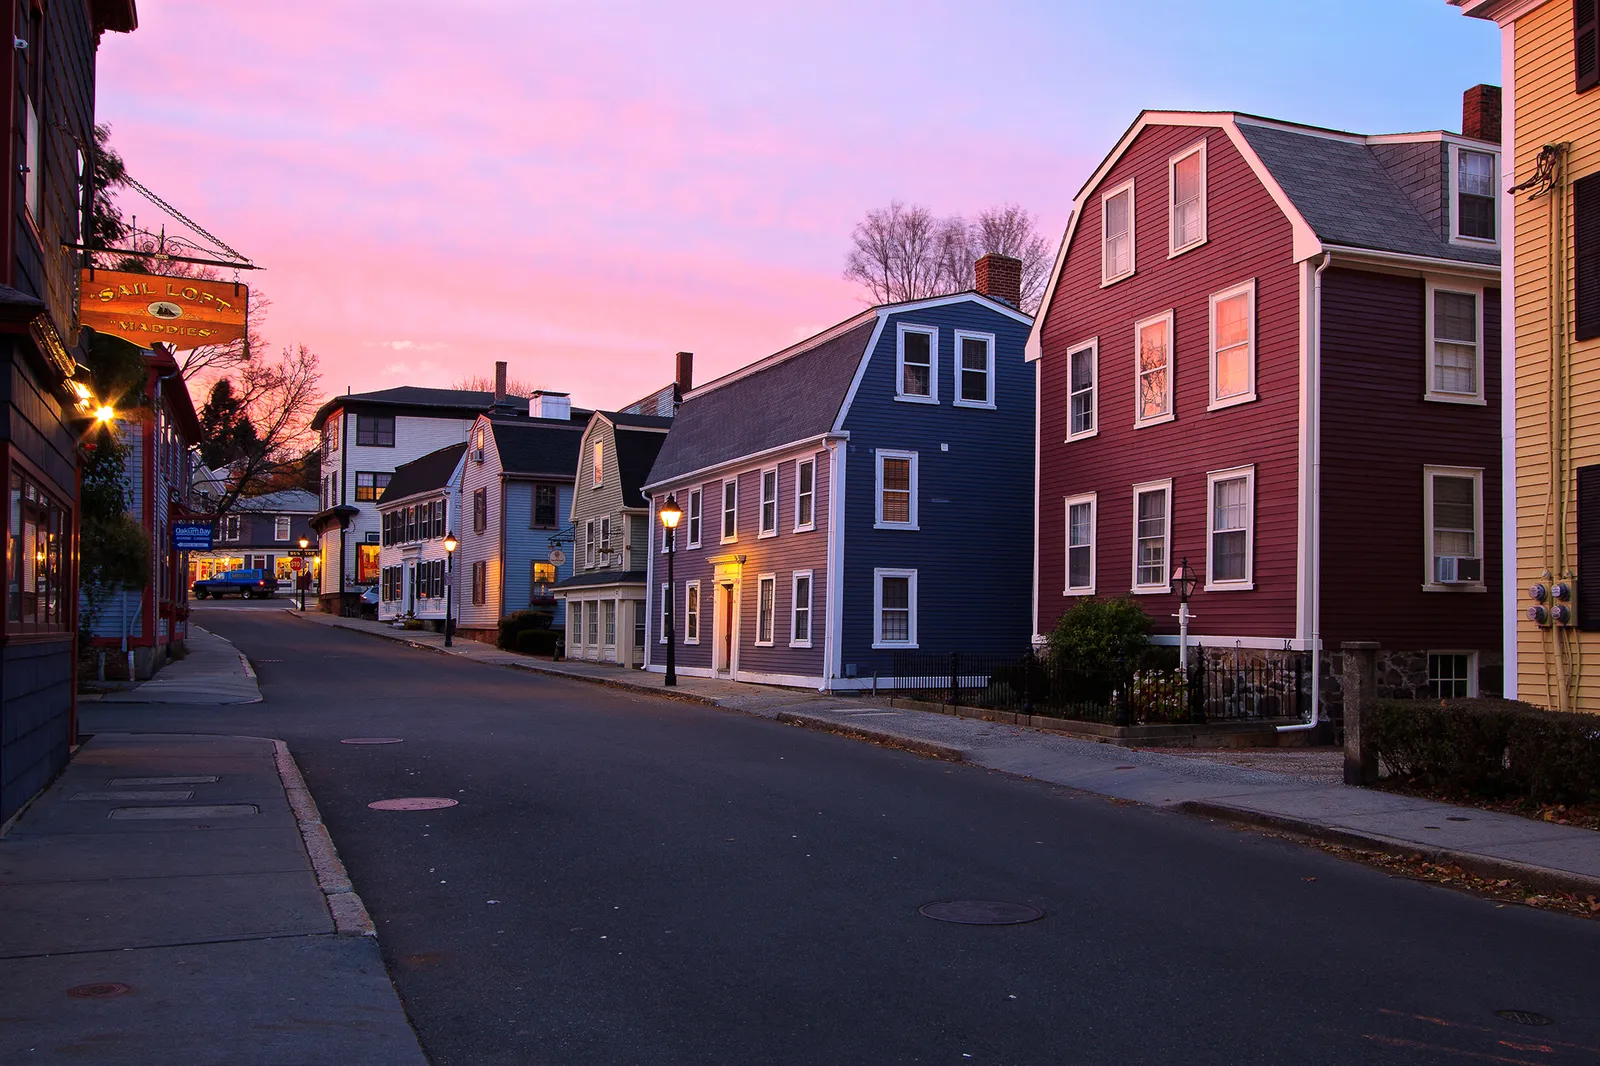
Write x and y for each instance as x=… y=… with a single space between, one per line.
x=246 y=584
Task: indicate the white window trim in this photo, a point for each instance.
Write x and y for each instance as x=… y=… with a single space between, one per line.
x=1166 y=567
x=1455 y=198
x=932 y=332
x=599 y=453
x=1249 y=395
x=284 y=523
x=1428 y=474
x=877 y=608
x=661 y=631
x=1476 y=399
x=1472 y=667
x=697 y=501
x=1090 y=345
x=1170 y=413
x=687 y=585
x=808 y=526
x=988 y=339
x=722 y=512
x=588 y=545
x=762 y=579
x=794 y=603
x=1212 y=477
x=1133 y=243
x=877 y=505
x=762 y=533
x=1173 y=248
x=1093 y=500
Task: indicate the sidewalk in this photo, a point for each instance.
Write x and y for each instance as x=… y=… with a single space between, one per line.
x=214 y=673
x=1500 y=846
x=161 y=907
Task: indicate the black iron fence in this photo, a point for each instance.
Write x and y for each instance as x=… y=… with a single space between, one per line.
x=1219 y=686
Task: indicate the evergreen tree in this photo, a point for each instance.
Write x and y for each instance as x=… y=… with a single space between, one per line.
x=226 y=432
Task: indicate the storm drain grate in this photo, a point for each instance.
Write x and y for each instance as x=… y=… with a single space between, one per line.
x=100 y=990
x=980 y=912
x=1524 y=1017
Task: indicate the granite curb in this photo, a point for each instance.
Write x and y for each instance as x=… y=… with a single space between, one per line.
x=350 y=917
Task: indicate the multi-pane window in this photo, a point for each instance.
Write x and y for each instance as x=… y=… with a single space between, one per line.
x=1083 y=369
x=1475 y=208
x=974 y=369
x=375 y=430
x=280 y=527
x=1151 y=536
x=1154 y=391
x=480 y=582
x=1186 y=206
x=805 y=494
x=370 y=486
x=1454 y=505
x=661 y=632
x=766 y=606
x=594 y=624
x=1231 y=522
x=769 y=503
x=897 y=489
x=730 y=510
x=544 y=506
x=439 y=517
x=588 y=543
x=638 y=624
x=609 y=607
x=605 y=541
x=574 y=623
x=896 y=602
x=691 y=613
x=230 y=527
x=1233 y=363
x=480 y=510
x=37 y=600
x=694 y=517
x=1450 y=675
x=1454 y=368
x=1116 y=217
x=918 y=377
x=541 y=580
x=1080 y=545
x=800 y=610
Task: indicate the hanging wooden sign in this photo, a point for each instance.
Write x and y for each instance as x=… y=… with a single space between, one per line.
x=145 y=308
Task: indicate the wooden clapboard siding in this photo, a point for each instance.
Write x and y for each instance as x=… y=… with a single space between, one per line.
x=1548 y=110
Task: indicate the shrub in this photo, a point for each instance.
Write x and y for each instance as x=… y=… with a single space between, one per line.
x=1095 y=634
x=537 y=641
x=1491 y=748
x=515 y=623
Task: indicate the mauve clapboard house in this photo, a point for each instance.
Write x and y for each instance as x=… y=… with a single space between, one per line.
x=1273 y=350
x=857 y=496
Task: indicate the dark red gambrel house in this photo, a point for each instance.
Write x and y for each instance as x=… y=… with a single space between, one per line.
x=1274 y=351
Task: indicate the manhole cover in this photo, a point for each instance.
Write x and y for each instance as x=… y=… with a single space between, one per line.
x=374 y=740
x=980 y=912
x=101 y=990
x=412 y=803
x=1524 y=1017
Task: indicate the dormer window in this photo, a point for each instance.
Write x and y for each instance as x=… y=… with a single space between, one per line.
x=1116 y=234
x=1475 y=200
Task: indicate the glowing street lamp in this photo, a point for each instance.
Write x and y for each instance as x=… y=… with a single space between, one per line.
x=105 y=413
x=305 y=575
x=450 y=545
x=1186 y=579
x=670 y=513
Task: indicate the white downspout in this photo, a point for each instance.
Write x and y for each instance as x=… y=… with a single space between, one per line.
x=1314 y=428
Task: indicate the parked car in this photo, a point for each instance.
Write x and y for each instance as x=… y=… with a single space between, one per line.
x=369 y=602
x=247 y=584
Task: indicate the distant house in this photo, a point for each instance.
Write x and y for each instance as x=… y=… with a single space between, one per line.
x=257 y=534
x=421 y=504
x=610 y=520
x=516 y=489
x=855 y=500
x=160 y=438
x=1273 y=351
x=364 y=438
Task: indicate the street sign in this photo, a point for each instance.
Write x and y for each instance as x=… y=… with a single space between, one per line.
x=557 y=557
x=304 y=553
x=189 y=536
x=297 y=565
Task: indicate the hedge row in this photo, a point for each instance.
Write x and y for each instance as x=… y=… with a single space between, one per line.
x=1497 y=749
x=513 y=625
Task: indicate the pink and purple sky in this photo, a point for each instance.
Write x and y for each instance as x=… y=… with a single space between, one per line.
x=584 y=189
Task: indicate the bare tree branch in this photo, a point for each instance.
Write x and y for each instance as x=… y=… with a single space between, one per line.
x=484 y=383
x=278 y=398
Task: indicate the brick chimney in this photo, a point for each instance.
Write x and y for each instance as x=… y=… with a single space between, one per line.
x=1480 y=113
x=500 y=384
x=999 y=277
x=685 y=378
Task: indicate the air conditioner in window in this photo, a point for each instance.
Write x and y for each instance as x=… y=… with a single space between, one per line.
x=1457 y=570
x=477 y=455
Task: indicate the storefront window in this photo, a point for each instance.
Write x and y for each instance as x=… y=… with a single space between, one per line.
x=36 y=600
x=367 y=563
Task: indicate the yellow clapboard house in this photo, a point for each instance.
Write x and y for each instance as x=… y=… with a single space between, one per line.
x=1551 y=233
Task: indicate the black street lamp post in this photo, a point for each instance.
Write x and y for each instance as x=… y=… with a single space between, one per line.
x=670 y=513
x=450 y=543
x=303 y=576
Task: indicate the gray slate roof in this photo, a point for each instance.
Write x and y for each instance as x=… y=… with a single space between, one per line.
x=639 y=441
x=431 y=471
x=602 y=577
x=544 y=446
x=1348 y=197
x=791 y=400
x=282 y=500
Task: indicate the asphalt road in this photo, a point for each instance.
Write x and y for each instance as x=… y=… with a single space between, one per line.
x=635 y=880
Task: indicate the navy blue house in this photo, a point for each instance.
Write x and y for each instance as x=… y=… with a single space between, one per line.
x=865 y=493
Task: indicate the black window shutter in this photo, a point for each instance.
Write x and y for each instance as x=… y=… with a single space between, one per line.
x=1588 y=582
x=1586 y=256
x=1586 y=43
